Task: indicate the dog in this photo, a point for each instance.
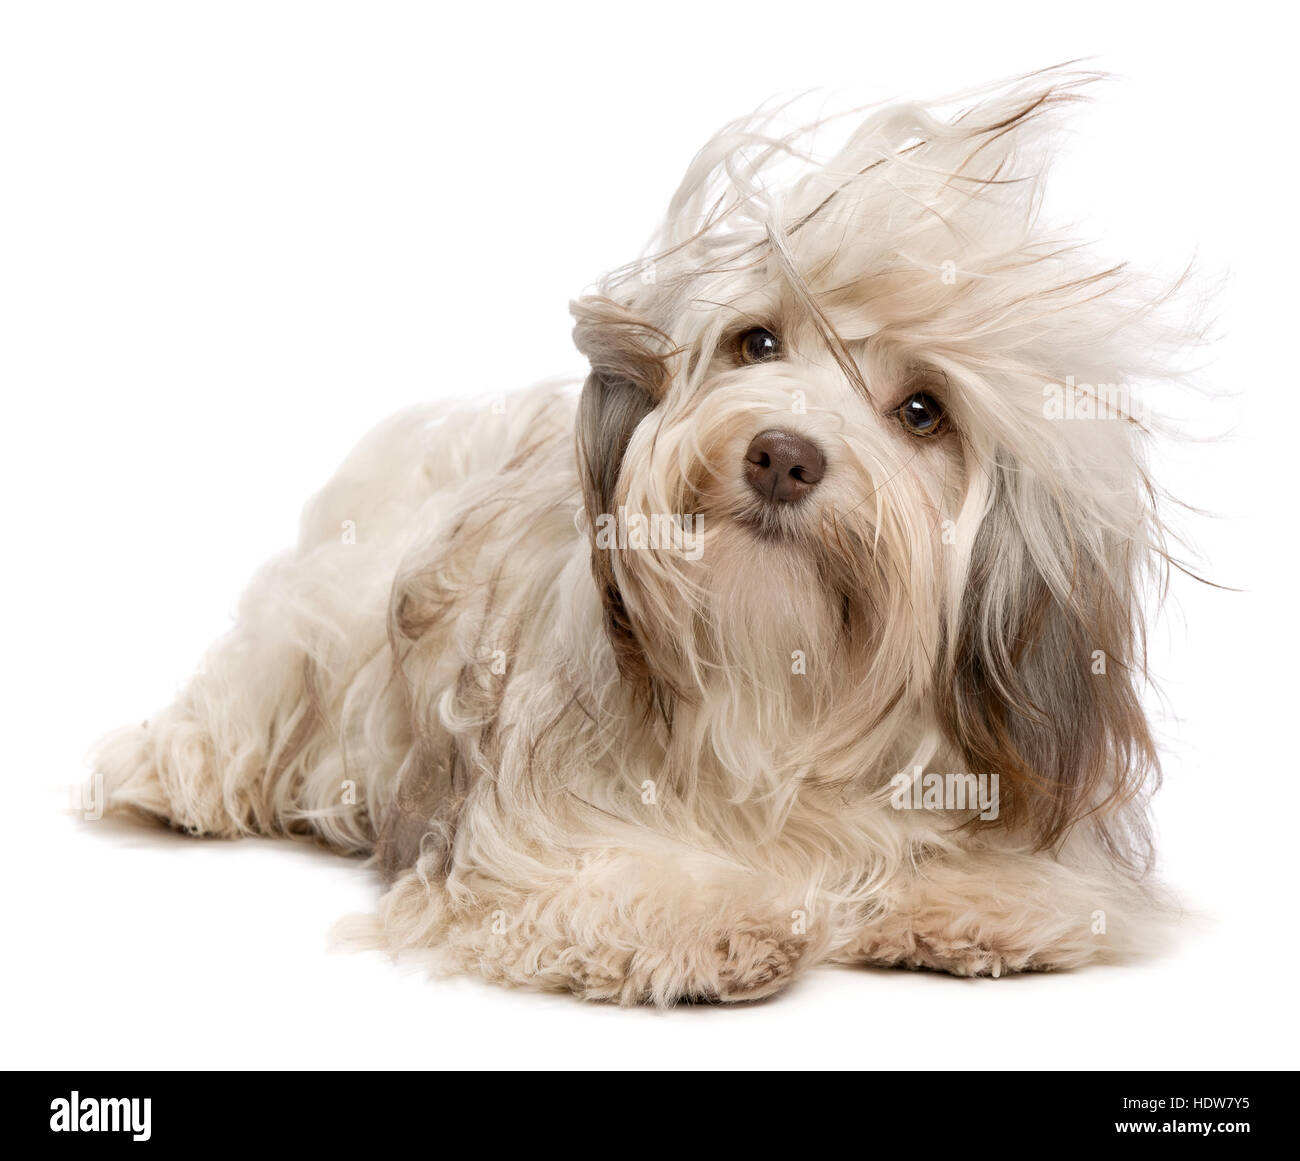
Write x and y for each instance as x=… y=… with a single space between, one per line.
x=810 y=629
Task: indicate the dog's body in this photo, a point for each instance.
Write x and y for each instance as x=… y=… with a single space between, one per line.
x=652 y=765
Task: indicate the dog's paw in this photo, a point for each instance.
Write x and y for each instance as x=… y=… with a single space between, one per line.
x=957 y=953
x=749 y=962
x=960 y=957
x=755 y=961
x=160 y=771
x=126 y=777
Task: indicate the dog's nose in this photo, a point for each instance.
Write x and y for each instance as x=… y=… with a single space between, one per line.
x=782 y=466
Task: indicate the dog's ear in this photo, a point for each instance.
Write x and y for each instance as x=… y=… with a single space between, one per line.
x=629 y=375
x=621 y=345
x=1040 y=681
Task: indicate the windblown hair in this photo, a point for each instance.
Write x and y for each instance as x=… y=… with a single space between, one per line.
x=1059 y=530
x=603 y=763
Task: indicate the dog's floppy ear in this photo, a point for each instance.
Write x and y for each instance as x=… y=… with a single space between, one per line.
x=629 y=376
x=1040 y=683
x=621 y=346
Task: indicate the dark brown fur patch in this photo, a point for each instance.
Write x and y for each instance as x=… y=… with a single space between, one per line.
x=629 y=361
x=423 y=809
x=1020 y=698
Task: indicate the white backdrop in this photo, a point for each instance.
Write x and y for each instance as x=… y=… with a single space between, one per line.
x=234 y=235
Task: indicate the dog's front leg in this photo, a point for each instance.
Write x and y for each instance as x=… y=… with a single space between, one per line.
x=615 y=926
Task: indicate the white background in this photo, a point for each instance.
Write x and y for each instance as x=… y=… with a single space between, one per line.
x=233 y=236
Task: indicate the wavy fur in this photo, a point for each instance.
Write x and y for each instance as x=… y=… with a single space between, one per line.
x=595 y=768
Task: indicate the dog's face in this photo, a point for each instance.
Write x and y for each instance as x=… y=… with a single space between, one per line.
x=871 y=402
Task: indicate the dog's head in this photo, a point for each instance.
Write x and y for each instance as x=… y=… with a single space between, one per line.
x=859 y=452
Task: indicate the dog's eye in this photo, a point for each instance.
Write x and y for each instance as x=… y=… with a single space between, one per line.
x=921 y=414
x=758 y=346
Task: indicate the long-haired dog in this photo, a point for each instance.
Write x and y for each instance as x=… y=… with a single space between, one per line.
x=812 y=630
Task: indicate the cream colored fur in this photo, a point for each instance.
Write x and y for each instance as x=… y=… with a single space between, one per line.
x=607 y=770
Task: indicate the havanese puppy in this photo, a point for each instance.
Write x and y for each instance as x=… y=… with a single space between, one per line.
x=809 y=630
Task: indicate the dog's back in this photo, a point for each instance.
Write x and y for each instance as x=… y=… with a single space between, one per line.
x=296 y=721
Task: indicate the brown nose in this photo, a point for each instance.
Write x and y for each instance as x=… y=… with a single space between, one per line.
x=781 y=466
